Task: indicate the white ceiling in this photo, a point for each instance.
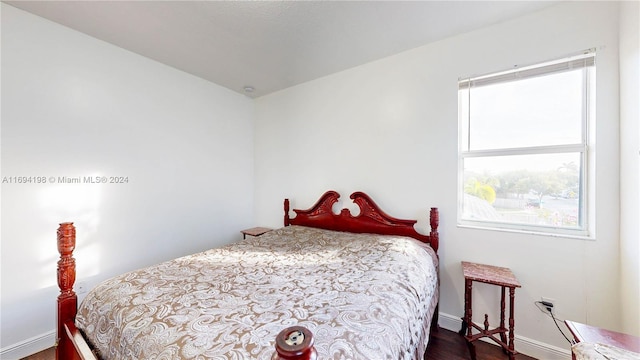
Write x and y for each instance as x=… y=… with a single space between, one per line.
x=272 y=45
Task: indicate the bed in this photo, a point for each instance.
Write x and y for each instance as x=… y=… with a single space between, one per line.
x=326 y=286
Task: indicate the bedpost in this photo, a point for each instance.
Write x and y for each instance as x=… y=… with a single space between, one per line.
x=295 y=343
x=286 y=212
x=434 y=239
x=434 y=220
x=67 y=300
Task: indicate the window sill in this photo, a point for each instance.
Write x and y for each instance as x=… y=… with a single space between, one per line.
x=526 y=232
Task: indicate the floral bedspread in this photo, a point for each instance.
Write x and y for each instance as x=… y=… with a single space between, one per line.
x=597 y=351
x=362 y=296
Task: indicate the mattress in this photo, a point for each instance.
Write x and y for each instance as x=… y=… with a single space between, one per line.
x=362 y=296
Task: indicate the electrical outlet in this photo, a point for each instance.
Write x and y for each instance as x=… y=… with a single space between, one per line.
x=81 y=287
x=550 y=301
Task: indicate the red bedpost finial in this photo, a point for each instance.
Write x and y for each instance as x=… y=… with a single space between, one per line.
x=66 y=264
x=67 y=300
x=295 y=343
x=434 y=219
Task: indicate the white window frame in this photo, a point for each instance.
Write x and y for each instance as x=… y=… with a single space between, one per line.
x=586 y=60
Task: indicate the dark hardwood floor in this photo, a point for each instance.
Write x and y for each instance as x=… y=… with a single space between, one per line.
x=443 y=345
x=448 y=345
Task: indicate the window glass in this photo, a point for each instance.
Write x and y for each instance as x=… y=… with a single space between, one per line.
x=544 y=110
x=540 y=189
x=523 y=147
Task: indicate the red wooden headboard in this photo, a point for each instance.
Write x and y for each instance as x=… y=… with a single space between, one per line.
x=370 y=220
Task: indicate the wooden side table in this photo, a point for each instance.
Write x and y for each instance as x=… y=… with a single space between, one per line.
x=255 y=231
x=592 y=334
x=493 y=275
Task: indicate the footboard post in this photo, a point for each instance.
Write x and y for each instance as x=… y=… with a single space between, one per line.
x=67 y=300
x=295 y=343
x=434 y=221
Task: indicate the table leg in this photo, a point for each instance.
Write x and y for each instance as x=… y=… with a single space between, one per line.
x=467 y=305
x=468 y=316
x=472 y=349
x=503 y=335
x=512 y=295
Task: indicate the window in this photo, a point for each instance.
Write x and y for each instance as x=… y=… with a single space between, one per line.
x=523 y=147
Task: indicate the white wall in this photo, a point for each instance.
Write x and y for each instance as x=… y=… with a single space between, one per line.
x=389 y=128
x=76 y=106
x=630 y=165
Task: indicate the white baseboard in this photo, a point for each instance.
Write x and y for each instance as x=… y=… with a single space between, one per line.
x=29 y=346
x=523 y=344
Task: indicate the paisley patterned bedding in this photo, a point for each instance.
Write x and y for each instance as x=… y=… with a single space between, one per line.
x=363 y=296
x=597 y=351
